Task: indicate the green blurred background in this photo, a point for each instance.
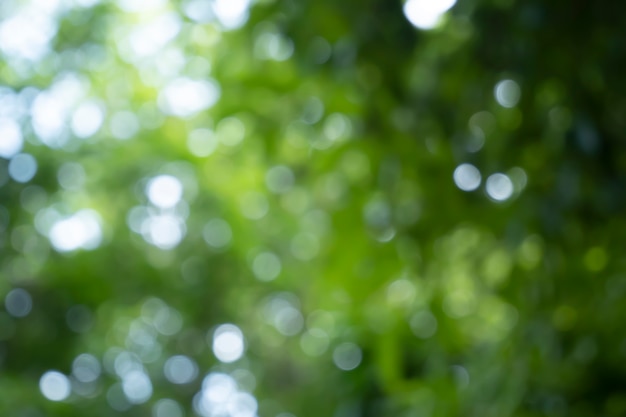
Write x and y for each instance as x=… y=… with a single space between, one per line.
x=283 y=208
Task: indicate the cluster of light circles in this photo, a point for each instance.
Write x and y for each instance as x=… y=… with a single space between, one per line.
x=55 y=386
x=68 y=233
x=499 y=187
x=230 y=14
x=37 y=24
x=221 y=393
x=228 y=343
x=134 y=383
x=161 y=224
x=135 y=386
x=12 y=139
x=65 y=108
x=86 y=371
x=220 y=396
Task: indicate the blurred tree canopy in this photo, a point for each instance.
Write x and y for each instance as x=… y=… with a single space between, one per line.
x=281 y=208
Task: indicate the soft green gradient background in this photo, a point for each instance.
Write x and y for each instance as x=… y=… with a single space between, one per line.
x=376 y=242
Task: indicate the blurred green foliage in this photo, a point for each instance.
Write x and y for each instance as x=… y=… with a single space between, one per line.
x=391 y=219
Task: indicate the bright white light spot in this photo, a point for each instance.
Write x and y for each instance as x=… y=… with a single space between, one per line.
x=14 y=106
x=230 y=131
x=54 y=386
x=217 y=233
x=137 y=387
x=22 y=167
x=180 y=369
x=218 y=388
x=426 y=14
x=220 y=396
x=467 y=177
x=51 y=108
x=202 y=142
x=228 y=344
x=11 y=139
x=36 y=30
x=48 y=119
x=87 y=119
x=232 y=14
x=51 y=6
x=86 y=368
x=124 y=125
x=150 y=38
x=198 y=10
x=135 y=6
x=347 y=356
x=185 y=97
x=80 y=231
x=499 y=187
x=167 y=408
x=164 y=191
x=507 y=93
x=87 y=3
x=279 y=179
x=71 y=176
x=18 y=303
x=164 y=231
x=266 y=266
